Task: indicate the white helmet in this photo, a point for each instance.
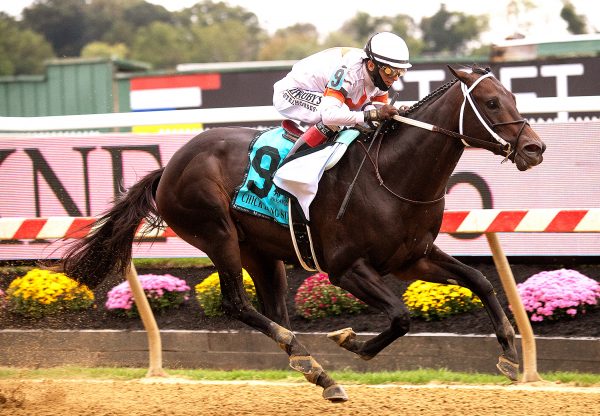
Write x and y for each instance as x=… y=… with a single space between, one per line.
x=388 y=49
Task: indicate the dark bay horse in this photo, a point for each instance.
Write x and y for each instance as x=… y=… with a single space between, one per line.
x=389 y=227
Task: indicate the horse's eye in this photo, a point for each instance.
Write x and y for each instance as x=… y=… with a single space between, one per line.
x=492 y=104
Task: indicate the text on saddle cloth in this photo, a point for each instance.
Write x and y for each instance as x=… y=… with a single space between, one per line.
x=264 y=190
x=257 y=195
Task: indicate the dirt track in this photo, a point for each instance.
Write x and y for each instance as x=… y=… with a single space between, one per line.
x=178 y=397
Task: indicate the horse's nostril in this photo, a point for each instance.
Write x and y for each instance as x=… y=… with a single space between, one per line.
x=534 y=148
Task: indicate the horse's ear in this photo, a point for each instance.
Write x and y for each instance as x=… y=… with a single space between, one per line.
x=453 y=71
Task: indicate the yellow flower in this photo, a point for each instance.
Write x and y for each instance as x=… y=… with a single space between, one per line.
x=435 y=301
x=208 y=293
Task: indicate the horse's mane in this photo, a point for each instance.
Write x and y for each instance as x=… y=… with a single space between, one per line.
x=440 y=90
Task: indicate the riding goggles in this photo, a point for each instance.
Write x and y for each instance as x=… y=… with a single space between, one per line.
x=392 y=72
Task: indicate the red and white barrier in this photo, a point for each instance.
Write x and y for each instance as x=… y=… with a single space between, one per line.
x=522 y=221
x=52 y=228
x=539 y=220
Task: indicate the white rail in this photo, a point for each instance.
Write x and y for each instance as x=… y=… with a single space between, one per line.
x=582 y=104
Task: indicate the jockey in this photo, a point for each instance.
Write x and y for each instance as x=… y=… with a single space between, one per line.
x=342 y=87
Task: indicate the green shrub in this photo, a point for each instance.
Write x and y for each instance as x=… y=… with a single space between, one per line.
x=208 y=293
x=317 y=298
x=43 y=292
x=433 y=301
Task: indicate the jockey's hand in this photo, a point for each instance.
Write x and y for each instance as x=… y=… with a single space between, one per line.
x=403 y=109
x=386 y=112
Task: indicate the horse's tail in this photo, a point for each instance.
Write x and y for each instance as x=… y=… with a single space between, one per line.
x=107 y=249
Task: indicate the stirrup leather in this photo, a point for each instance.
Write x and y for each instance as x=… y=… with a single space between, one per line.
x=301 y=238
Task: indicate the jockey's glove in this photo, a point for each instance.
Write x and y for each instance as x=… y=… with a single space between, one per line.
x=385 y=112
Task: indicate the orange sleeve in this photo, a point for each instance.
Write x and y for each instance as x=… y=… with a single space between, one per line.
x=381 y=98
x=330 y=92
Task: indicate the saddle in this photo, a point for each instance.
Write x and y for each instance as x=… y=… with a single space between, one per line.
x=281 y=186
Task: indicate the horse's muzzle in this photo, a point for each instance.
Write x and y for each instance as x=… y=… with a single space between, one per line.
x=529 y=152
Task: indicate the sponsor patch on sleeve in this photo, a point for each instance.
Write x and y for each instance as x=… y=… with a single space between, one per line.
x=336 y=82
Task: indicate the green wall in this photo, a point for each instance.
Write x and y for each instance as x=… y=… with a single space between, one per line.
x=70 y=86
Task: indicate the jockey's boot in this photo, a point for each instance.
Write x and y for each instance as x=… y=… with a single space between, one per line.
x=315 y=135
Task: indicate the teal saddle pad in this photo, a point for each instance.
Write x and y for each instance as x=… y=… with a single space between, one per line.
x=257 y=194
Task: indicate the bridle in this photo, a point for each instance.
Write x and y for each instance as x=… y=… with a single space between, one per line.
x=500 y=146
x=485 y=122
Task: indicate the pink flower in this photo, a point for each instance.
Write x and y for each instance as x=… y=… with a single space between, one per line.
x=156 y=288
x=558 y=293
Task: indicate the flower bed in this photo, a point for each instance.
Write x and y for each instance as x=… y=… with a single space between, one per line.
x=190 y=316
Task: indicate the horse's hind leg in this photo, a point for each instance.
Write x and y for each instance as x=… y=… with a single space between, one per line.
x=439 y=267
x=366 y=284
x=220 y=244
x=270 y=281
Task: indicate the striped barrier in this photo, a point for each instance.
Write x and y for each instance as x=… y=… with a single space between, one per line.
x=538 y=220
x=455 y=222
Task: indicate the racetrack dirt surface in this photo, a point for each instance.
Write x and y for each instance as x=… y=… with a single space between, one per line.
x=180 y=397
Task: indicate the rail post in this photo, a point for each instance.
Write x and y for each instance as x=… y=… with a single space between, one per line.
x=530 y=373
x=152 y=332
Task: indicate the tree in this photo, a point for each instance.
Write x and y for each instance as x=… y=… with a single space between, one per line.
x=294 y=42
x=218 y=32
x=362 y=26
x=161 y=44
x=105 y=50
x=125 y=17
x=227 y=41
x=21 y=51
x=576 y=23
x=515 y=11
x=450 y=32
x=62 y=22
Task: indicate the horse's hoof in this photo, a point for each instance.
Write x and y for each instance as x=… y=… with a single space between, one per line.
x=509 y=368
x=335 y=394
x=342 y=336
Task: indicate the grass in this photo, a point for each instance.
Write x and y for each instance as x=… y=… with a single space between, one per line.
x=185 y=262
x=416 y=377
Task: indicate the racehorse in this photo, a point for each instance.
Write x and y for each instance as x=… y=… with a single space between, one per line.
x=392 y=219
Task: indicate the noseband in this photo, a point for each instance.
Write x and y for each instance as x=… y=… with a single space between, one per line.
x=485 y=122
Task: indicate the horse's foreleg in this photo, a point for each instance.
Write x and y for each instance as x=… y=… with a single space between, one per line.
x=439 y=267
x=236 y=304
x=367 y=285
